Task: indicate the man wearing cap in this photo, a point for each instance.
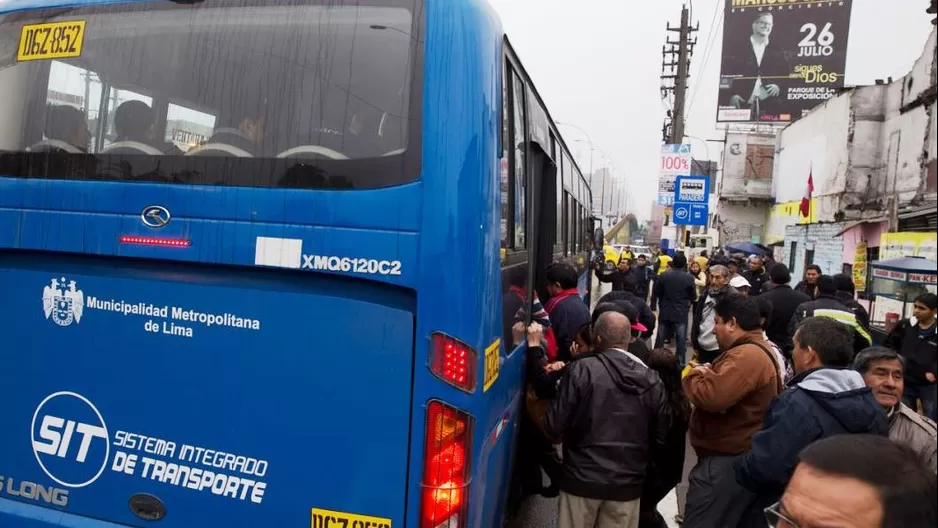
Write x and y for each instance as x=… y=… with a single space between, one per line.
x=674 y=292
x=637 y=346
x=740 y=284
x=628 y=293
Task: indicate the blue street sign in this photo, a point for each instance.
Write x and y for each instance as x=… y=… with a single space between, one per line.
x=691 y=200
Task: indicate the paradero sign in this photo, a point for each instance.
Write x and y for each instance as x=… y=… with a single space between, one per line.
x=781 y=58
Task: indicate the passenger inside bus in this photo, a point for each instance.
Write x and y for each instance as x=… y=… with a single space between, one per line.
x=135 y=123
x=66 y=129
x=241 y=134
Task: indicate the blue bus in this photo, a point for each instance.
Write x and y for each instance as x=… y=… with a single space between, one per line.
x=252 y=259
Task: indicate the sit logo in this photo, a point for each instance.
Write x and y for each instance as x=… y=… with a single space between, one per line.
x=63 y=302
x=70 y=439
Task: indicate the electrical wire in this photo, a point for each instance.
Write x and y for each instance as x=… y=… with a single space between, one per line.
x=712 y=36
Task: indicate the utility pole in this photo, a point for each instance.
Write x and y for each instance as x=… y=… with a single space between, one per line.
x=675 y=66
x=682 y=54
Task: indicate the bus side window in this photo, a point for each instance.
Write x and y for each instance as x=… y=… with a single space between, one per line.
x=504 y=187
x=188 y=128
x=79 y=88
x=561 y=161
x=516 y=292
x=519 y=161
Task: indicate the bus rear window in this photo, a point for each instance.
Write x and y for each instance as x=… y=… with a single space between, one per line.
x=299 y=94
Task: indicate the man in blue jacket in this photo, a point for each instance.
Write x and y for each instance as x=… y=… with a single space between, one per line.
x=825 y=398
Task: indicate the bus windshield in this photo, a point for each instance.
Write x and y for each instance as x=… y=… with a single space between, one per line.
x=252 y=93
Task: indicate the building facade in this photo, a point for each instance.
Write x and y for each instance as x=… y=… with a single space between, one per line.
x=870 y=153
x=744 y=190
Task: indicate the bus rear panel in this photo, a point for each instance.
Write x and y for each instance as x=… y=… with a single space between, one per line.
x=252 y=260
x=205 y=329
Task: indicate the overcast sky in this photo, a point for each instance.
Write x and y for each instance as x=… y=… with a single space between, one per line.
x=597 y=63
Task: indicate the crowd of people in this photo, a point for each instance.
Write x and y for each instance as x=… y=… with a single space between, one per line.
x=784 y=412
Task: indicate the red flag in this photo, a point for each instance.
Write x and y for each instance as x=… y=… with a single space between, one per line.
x=806 y=201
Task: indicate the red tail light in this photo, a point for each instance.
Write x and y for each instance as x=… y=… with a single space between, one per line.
x=153 y=241
x=453 y=361
x=446 y=467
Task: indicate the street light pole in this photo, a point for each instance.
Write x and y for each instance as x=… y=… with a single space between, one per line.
x=705 y=144
x=592 y=148
x=608 y=161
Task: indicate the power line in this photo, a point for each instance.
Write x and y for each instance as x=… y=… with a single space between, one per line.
x=711 y=38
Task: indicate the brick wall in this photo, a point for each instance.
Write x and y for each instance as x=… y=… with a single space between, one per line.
x=822 y=238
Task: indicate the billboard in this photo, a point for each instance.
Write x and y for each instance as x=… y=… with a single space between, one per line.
x=675 y=160
x=781 y=58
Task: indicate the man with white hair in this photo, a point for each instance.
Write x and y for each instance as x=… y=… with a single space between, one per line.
x=703 y=336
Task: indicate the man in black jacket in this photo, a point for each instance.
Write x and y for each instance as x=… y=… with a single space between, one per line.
x=812 y=273
x=627 y=277
x=846 y=293
x=827 y=305
x=611 y=412
x=756 y=275
x=917 y=341
x=618 y=276
x=784 y=303
x=644 y=274
x=673 y=294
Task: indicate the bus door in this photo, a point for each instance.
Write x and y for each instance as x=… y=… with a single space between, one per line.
x=544 y=218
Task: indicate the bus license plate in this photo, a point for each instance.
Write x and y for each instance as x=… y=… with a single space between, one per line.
x=492 y=364
x=335 y=519
x=55 y=40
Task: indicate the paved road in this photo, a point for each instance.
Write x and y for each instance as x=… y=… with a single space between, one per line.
x=539 y=512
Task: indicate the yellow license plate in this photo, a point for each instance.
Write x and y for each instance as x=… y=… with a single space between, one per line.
x=56 y=40
x=335 y=519
x=492 y=364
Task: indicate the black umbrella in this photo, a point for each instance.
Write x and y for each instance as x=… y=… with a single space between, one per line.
x=748 y=248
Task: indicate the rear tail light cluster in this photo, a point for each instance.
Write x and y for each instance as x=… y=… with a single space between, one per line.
x=446 y=467
x=453 y=361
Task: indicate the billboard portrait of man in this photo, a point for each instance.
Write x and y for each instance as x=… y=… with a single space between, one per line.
x=762 y=66
x=779 y=61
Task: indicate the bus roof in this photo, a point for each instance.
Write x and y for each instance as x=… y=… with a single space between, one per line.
x=15 y=5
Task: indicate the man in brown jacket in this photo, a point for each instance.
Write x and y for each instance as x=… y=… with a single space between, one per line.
x=729 y=398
